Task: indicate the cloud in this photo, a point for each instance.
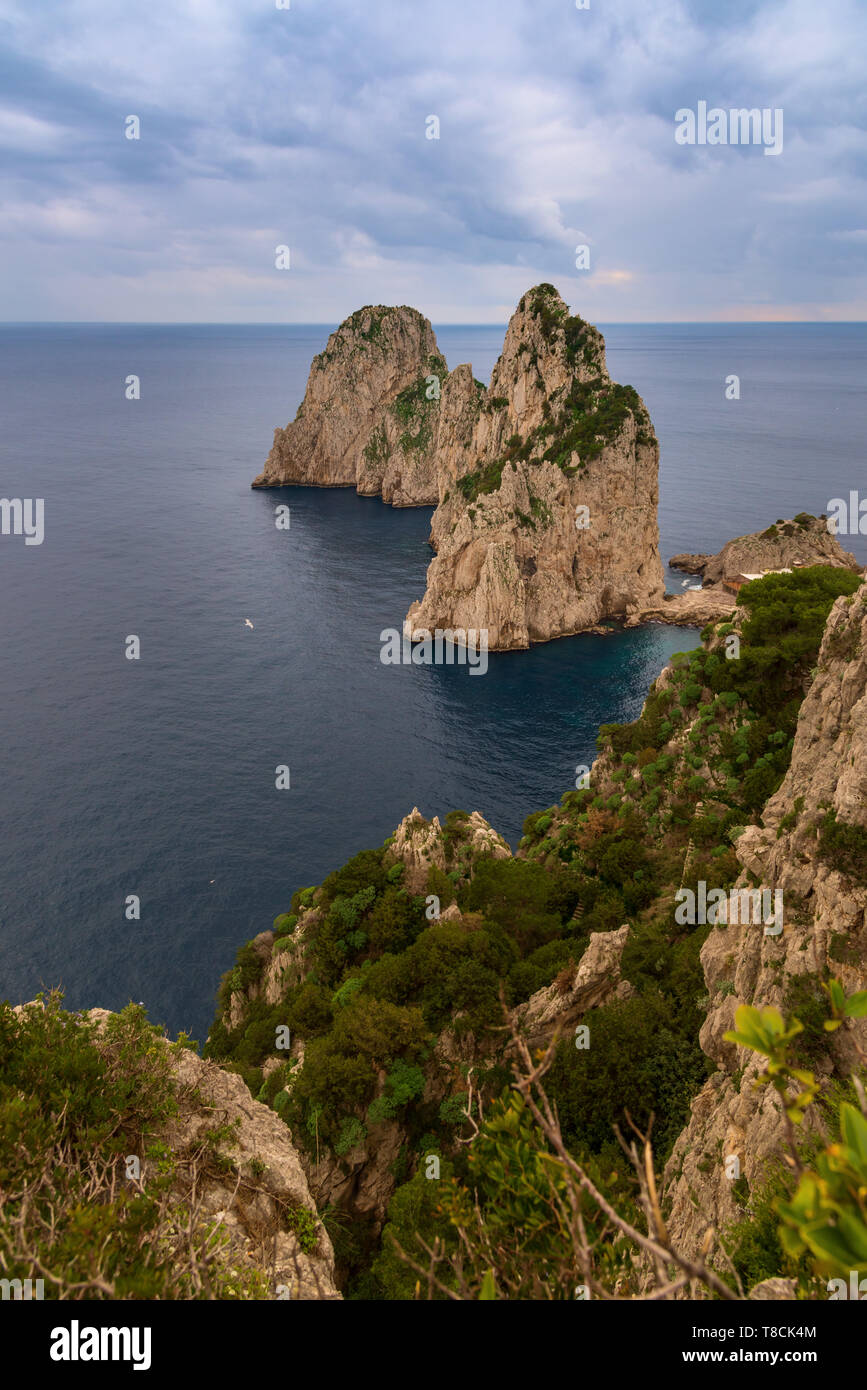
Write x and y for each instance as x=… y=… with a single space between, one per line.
x=308 y=127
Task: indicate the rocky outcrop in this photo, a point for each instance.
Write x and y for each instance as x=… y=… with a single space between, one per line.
x=361 y=1179
x=823 y=878
x=368 y=418
x=694 y=608
x=557 y=1007
x=805 y=540
x=546 y=521
x=253 y=1196
x=689 y=563
x=420 y=844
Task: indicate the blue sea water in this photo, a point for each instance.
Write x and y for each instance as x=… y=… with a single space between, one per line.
x=156 y=777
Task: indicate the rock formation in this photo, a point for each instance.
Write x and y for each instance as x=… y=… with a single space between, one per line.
x=679 y=759
x=822 y=876
x=557 y=1007
x=368 y=415
x=694 y=608
x=785 y=545
x=420 y=845
x=805 y=540
x=251 y=1189
x=546 y=483
x=547 y=516
x=361 y=1180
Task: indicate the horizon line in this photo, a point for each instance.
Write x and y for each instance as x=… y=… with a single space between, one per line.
x=444 y=323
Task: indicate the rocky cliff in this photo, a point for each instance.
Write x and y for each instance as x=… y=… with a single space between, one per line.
x=358 y=1173
x=147 y=1171
x=546 y=521
x=811 y=844
x=744 y=769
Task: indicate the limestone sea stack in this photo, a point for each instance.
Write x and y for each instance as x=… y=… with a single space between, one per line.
x=546 y=483
x=366 y=420
x=547 y=520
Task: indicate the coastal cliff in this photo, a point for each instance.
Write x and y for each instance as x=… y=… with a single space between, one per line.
x=803 y=540
x=412 y=976
x=812 y=846
x=795 y=544
x=134 y=1169
x=353 y=1161
x=365 y=1084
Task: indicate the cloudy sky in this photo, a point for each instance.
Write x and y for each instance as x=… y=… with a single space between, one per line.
x=307 y=127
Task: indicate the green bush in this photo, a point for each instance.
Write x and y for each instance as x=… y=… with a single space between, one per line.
x=844 y=847
x=403 y=1083
x=74 y=1100
x=635 y=1061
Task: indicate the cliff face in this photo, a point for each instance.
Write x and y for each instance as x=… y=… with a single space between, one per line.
x=419 y=845
x=392 y=972
x=368 y=415
x=546 y=522
x=812 y=844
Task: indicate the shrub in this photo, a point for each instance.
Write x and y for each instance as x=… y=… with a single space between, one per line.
x=349 y=987
x=403 y=1083
x=364 y=870
x=636 y=1061
x=843 y=846
x=352 y=1133
x=308 y=1009
x=74 y=1100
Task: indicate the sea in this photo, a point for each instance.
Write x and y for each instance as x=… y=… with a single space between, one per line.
x=144 y=837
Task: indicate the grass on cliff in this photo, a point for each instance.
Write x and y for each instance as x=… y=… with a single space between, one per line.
x=743 y=711
x=413 y=408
